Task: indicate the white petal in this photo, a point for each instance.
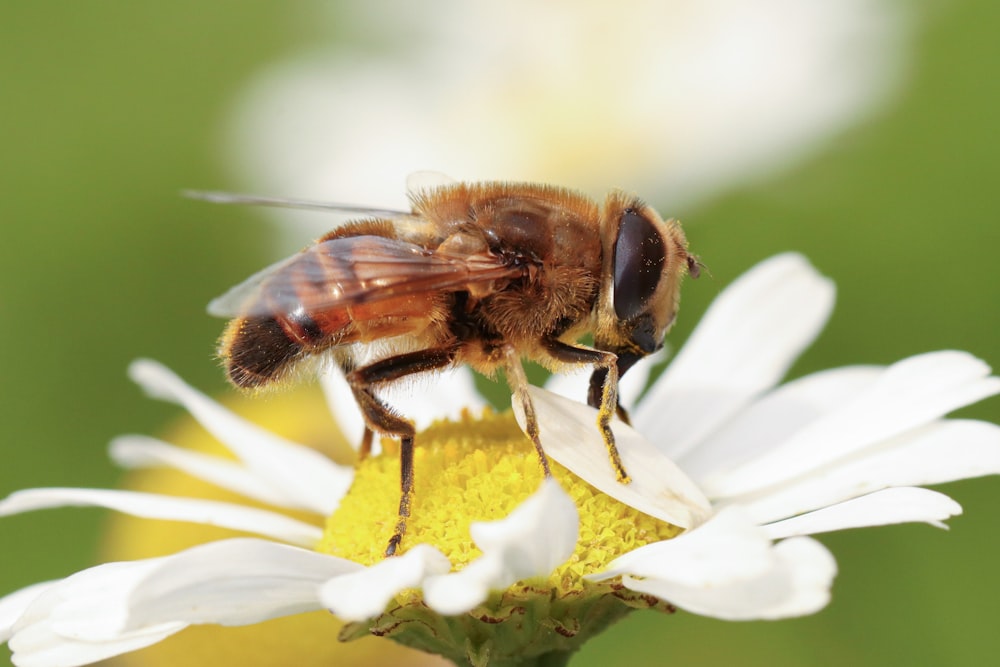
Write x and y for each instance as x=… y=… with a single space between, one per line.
x=362 y=595
x=139 y=451
x=459 y=592
x=531 y=542
x=728 y=568
x=426 y=398
x=154 y=506
x=633 y=385
x=314 y=482
x=79 y=620
x=773 y=418
x=703 y=556
x=940 y=452
x=797 y=584
x=550 y=514
x=91 y=605
x=39 y=646
x=570 y=435
x=120 y=607
x=743 y=346
x=572 y=384
x=233 y=582
x=908 y=394
x=889 y=506
x=13 y=605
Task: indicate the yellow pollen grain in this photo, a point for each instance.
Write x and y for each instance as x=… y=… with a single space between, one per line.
x=477 y=469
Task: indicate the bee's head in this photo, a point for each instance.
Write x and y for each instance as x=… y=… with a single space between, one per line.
x=645 y=259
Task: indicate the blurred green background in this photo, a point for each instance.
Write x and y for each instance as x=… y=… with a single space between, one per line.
x=108 y=109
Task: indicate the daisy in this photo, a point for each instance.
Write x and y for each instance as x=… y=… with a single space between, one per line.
x=500 y=563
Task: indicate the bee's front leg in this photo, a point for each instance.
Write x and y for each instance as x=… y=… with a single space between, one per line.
x=605 y=378
x=625 y=360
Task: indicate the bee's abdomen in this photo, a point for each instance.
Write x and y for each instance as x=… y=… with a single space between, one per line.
x=259 y=350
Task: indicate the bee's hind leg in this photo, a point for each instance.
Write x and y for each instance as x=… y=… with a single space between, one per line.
x=379 y=417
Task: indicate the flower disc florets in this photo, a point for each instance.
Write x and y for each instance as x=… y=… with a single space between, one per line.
x=480 y=469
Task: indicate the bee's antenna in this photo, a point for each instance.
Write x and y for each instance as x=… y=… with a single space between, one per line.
x=695 y=267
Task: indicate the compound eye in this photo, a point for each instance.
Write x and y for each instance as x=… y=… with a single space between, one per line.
x=638 y=264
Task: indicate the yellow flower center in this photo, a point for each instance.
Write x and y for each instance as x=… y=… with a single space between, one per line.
x=477 y=469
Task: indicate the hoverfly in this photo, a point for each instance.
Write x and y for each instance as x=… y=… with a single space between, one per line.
x=483 y=274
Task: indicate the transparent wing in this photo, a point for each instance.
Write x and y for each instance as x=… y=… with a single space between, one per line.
x=283 y=202
x=348 y=271
x=230 y=304
x=418 y=181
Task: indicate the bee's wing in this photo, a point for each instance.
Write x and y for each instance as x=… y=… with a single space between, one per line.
x=347 y=271
x=231 y=303
x=283 y=202
x=418 y=181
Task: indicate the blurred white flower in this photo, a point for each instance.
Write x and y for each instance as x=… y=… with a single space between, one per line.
x=673 y=100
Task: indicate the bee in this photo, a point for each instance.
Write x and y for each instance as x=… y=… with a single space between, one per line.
x=483 y=274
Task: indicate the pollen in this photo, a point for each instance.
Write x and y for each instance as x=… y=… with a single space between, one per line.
x=478 y=468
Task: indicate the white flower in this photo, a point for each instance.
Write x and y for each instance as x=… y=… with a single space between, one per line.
x=833 y=450
x=839 y=449
x=675 y=100
x=119 y=607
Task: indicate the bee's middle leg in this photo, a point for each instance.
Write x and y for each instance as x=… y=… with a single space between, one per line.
x=379 y=417
x=518 y=383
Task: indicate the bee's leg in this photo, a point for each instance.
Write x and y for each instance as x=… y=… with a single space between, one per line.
x=603 y=393
x=379 y=417
x=346 y=364
x=518 y=383
x=383 y=420
x=596 y=392
x=624 y=361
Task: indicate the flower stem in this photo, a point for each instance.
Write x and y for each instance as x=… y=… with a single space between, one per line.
x=552 y=659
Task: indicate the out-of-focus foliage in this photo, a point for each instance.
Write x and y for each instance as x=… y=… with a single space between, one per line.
x=109 y=109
